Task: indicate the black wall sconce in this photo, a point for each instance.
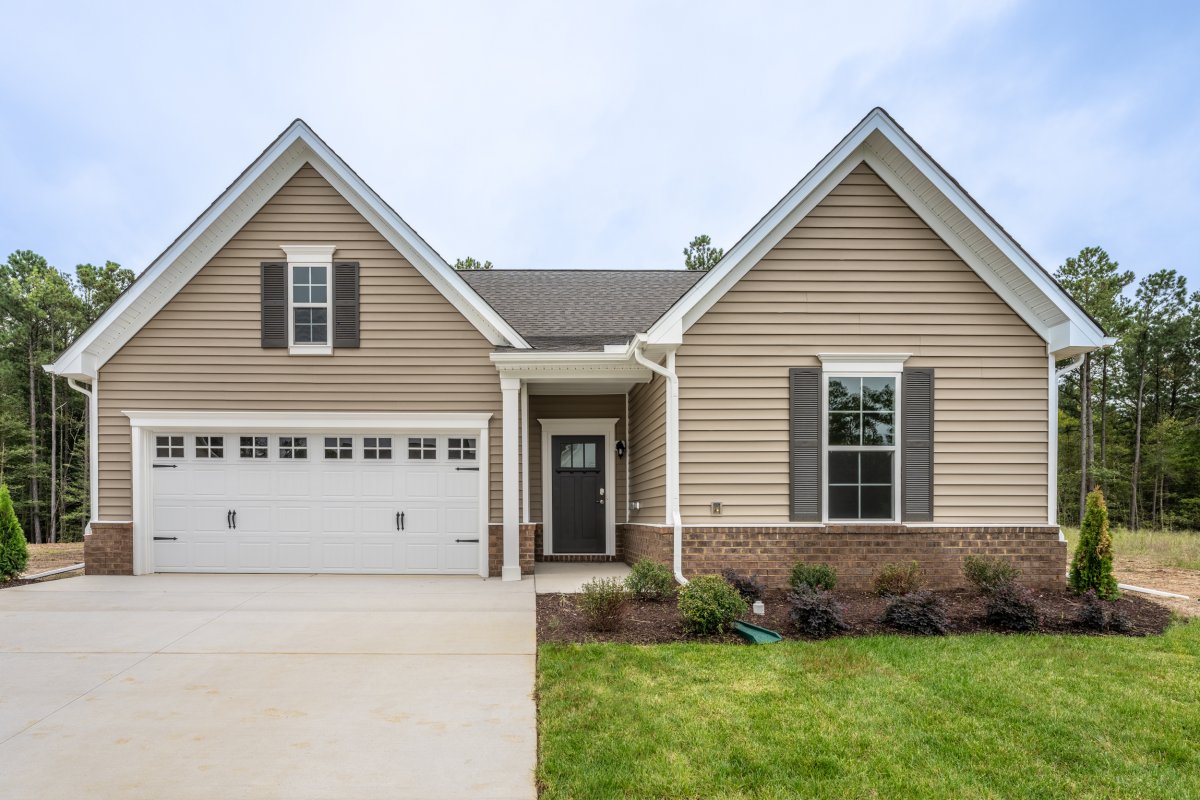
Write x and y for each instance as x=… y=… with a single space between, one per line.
x=620 y=448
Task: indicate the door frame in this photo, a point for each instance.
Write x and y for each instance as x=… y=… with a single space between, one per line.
x=593 y=426
x=145 y=424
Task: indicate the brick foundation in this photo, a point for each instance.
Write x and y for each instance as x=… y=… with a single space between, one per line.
x=528 y=533
x=855 y=552
x=108 y=549
x=585 y=558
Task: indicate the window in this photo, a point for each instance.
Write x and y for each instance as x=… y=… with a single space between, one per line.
x=310 y=305
x=861 y=437
x=210 y=447
x=577 y=455
x=293 y=447
x=461 y=449
x=377 y=448
x=422 y=449
x=168 y=447
x=339 y=447
x=252 y=447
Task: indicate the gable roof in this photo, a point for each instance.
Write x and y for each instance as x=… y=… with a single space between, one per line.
x=940 y=201
x=580 y=310
x=167 y=274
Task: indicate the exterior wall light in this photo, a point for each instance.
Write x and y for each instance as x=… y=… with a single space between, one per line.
x=620 y=448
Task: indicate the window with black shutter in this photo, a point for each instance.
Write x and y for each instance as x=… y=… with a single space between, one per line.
x=916 y=430
x=804 y=414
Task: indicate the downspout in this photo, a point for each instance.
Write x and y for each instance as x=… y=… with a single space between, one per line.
x=1052 y=434
x=93 y=449
x=668 y=373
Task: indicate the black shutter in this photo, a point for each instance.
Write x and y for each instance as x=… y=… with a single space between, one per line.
x=916 y=445
x=345 y=304
x=804 y=423
x=273 y=278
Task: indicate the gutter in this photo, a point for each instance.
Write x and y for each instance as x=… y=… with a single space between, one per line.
x=93 y=447
x=668 y=373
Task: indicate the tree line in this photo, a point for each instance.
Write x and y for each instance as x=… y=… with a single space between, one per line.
x=43 y=423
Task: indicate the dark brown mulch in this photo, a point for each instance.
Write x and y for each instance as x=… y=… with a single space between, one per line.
x=558 y=620
x=13 y=582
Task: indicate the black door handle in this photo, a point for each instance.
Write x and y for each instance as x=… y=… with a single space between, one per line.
x=166 y=538
x=164 y=466
x=397 y=520
x=401 y=520
x=466 y=540
x=235 y=520
x=228 y=518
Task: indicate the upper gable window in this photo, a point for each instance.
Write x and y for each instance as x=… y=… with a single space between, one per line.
x=310 y=299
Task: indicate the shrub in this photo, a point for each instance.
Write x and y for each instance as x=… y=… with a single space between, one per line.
x=989 y=573
x=1091 y=566
x=709 y=605
x=816 y=613
x=1097 y=615
x=1011 y=607
x=14 y=554
x=917 y=612
x=899 y=579
x=749 y=587
x=814 y=576
x=601 y=602
x=650 y=580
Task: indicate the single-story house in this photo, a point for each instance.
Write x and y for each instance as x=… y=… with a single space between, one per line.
x=300 y=383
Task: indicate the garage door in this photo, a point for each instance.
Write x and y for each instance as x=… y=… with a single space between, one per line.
x=383 y=503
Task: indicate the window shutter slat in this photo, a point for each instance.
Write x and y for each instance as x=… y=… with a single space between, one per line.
x=916 y=444
x=273 y=279
x=345 y=304
x=804 y=413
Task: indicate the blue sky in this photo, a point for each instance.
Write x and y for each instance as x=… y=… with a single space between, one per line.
x=599 y=135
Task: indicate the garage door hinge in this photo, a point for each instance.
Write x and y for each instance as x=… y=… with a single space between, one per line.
x=467 y=469
x=166 y=538
x=164 y=466
x=466 y=540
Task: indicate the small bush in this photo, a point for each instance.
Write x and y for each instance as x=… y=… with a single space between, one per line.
x=816 y=613
x=601 y=602
x=650 y=580
x=1011 y=607
x=749 y=587
x=814 y=576
x=709 y=605
x=899 y=579
x=917 y=612
x=1100 y=616
x=989 y=573
x=1092 y=563
x=14 y=553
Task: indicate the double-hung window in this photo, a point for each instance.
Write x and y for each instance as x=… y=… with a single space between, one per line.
x=862 y=459
x=310 y=305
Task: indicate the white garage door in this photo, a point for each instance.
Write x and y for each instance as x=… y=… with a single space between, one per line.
x=383 y=503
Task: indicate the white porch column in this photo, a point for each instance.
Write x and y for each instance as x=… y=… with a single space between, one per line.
x=510 y=390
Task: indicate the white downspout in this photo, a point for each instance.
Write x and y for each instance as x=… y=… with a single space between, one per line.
x=1052 y=434
x=673 y=516
x=93 y=449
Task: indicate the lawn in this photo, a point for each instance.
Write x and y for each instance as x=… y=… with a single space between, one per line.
x=48 y=556
x=1179 y=549
x=890 y=717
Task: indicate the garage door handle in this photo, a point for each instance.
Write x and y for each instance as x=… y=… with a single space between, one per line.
x=460 y=469
x=164 y=466
x=229 y=518
x=466 y=540
x=399 y=520
x=166 y=538
x=235 y=520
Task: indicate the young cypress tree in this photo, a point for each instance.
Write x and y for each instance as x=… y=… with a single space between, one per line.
x=1091 y=567
x=14 y=555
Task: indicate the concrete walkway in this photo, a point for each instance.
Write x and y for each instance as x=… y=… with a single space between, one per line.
x=267 y=686
x=569 y=578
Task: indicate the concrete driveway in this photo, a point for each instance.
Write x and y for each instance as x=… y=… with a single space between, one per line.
x=267 y=686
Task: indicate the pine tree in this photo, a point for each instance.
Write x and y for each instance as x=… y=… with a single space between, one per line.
x=1092 y=567
x=14 y=554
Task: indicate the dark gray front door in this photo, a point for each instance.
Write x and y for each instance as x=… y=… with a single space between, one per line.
x=577 y=466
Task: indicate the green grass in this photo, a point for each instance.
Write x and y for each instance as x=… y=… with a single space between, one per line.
x=887 y=717
x=1166 y=548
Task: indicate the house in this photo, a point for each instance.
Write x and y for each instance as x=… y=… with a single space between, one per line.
x=301 y=383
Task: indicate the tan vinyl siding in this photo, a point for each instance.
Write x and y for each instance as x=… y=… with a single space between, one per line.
x=863 y=273
x=202 y=352
x=648 y=451
x=605 y=406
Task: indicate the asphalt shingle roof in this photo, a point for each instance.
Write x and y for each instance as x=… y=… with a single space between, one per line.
x=575 y=309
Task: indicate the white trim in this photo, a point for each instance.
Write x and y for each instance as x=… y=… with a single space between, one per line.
x=854 y=372
x=196 y=246
x=309 y=256
x=144 y=425
x=626 y=459
x=865 y=363
x=525 y=453
x=510 y=391
x=992 y=253
x=595 y=426
x=320 y=255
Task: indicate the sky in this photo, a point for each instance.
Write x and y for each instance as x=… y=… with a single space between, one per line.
x=599 y=135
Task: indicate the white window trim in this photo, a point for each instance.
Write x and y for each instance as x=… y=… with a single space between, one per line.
x=582 y=427
x=850 y=370
x=310 y=255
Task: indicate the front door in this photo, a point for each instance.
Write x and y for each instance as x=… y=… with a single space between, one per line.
x=579 y=494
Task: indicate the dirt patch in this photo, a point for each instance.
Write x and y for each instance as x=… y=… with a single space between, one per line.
x=1146 y=573
x=51 y=556
x=558 y=619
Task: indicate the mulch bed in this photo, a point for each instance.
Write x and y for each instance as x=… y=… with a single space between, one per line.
x=558 y=620
x=14 y=582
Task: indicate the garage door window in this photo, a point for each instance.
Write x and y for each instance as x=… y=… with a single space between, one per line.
x=293 y=447
x=168 y=447
x=461 y=449
x=210 y=447
x=422 y=449
x=253 y=447
x=377 y=448
x=339 y=447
